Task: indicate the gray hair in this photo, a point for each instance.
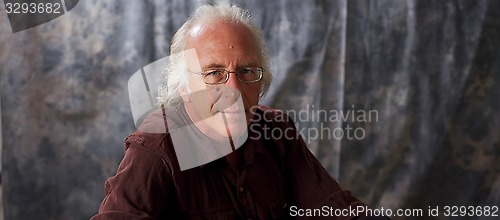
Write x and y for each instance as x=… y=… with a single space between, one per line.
x=175 y=77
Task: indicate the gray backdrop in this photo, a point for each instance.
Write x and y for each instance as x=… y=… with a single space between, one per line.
x=430 y=69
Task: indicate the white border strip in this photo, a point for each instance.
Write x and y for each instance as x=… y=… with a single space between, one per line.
x=64 y=6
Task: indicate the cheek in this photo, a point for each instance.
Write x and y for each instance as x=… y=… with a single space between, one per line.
x=250 y=96
x=196 y=84
x=200 y=98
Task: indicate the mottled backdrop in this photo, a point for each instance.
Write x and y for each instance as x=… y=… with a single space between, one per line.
x=429 y=69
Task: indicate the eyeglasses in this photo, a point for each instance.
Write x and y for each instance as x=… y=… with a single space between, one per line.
x=219 y=75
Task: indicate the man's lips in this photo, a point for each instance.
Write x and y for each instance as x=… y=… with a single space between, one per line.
x=233 y=111
x=233 y=114
x=234 y=108
x=226 y=111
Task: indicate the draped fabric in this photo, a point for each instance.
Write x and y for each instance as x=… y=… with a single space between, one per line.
x=399 y=100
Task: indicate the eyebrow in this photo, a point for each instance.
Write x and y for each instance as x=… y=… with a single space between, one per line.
x=213 y=66
x=218 y=66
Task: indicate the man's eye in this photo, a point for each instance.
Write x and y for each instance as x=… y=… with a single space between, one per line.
x=246 y=71
x=213 y=72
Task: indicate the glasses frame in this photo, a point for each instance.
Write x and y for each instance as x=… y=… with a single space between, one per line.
x=227 y=72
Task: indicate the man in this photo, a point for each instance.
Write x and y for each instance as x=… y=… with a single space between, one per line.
x=195 y=158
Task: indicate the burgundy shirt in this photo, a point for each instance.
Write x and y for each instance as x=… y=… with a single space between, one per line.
x=274 y=174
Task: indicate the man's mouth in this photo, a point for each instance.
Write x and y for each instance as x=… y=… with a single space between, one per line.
x=234 y=115
x=222 y=107
x=234 y=111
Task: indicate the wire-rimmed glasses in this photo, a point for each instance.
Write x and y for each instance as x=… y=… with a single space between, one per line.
x=214 y=76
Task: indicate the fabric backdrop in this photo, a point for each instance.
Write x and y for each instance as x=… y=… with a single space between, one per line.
x=414 y=83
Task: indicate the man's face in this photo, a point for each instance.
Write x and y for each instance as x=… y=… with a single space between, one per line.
x=226 y=106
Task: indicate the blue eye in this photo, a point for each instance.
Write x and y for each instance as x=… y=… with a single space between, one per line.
x=246 y=71
x=213 y=72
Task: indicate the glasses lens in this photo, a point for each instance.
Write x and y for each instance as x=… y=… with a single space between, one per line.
x=250 y=74
x=214 y=76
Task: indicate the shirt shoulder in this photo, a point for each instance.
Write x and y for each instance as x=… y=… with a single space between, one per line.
x=153 y=136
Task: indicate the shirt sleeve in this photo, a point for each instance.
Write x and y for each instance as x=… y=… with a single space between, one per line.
x=141 y=188
x=311 y=186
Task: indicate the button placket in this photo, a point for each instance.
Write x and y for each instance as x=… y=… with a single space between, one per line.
x=244 y=196
x=240 y=180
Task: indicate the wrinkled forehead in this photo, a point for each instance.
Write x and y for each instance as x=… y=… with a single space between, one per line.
x=219 y=42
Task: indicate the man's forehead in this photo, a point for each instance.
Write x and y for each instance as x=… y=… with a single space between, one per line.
x=216 y=28
x=217 y=39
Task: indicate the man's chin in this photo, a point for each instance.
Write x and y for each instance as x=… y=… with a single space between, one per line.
x=234 y=116
x=239 y=131
x=234 y=131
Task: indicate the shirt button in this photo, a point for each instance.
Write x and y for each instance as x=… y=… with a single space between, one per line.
x=242 y=189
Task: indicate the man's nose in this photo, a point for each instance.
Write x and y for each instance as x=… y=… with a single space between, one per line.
x=233 y=80
x=231 y=89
